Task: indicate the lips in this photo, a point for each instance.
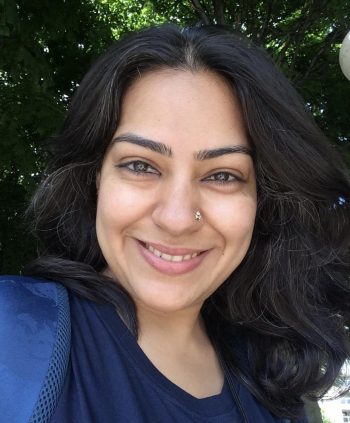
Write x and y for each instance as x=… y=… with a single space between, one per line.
x=171 y=260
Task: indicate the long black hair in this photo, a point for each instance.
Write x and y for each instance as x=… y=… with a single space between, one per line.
x=280 y=318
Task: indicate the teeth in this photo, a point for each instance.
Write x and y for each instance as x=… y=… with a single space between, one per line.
x=169 y=257
x=178 y=258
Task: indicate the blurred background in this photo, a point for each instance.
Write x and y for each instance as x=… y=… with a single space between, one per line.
x=46 y=47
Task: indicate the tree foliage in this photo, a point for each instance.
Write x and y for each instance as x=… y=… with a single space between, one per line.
x=46 y=46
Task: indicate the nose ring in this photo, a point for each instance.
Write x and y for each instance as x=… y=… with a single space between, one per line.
x=198 y=216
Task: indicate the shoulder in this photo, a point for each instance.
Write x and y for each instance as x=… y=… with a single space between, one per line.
x=35 y=340
x=26 y=301
x=15 y=287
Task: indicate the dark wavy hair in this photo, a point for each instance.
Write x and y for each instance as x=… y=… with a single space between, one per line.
x=280 y=318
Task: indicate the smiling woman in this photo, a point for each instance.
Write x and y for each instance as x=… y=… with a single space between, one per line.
x=191 y=209
x=148 y=192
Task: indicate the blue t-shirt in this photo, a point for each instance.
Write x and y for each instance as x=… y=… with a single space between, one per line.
x=110 y=379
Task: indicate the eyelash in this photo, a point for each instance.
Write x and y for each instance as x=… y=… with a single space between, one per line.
x=137 y=172
x=231 y=177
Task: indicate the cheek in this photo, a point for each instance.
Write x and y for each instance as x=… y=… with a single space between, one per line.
x=119 y=204
x=236 y=224
x=235 y=217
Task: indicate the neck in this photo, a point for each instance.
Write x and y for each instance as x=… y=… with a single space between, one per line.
x=178 y=346
x=176 y=330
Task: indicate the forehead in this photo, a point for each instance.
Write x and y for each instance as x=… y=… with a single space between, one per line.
x=183 y=109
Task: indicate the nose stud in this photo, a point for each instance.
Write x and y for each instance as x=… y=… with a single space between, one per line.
x=197 y=216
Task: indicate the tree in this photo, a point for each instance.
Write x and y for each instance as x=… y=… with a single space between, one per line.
x=45 y=47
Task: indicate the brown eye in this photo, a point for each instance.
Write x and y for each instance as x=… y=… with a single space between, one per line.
x=138 y=167
x=223 y=178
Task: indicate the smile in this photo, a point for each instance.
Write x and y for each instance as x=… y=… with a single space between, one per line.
x=169 y=257
x=171 y=261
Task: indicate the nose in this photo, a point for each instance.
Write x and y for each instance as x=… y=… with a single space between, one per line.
x=175 y=211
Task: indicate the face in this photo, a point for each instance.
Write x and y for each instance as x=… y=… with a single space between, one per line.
x=180 y=147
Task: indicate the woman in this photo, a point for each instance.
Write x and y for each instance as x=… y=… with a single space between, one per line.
x=200 y=222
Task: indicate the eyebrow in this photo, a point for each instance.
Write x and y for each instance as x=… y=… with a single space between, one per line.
x=165 y=150
x=217 y=152
x=155 y=146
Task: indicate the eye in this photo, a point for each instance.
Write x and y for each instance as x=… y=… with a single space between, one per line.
x=223 y=178
x=139 y=167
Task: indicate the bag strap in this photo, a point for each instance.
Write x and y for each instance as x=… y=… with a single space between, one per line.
x=35 y=348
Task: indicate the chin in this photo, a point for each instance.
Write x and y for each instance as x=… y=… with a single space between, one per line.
x=166 y=304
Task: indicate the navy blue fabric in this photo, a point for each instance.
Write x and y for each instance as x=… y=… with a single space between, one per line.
x=109 y=377
x=111 y=380
x=34 y=349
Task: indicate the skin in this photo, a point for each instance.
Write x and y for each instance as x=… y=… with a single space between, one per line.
x=151 y=197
